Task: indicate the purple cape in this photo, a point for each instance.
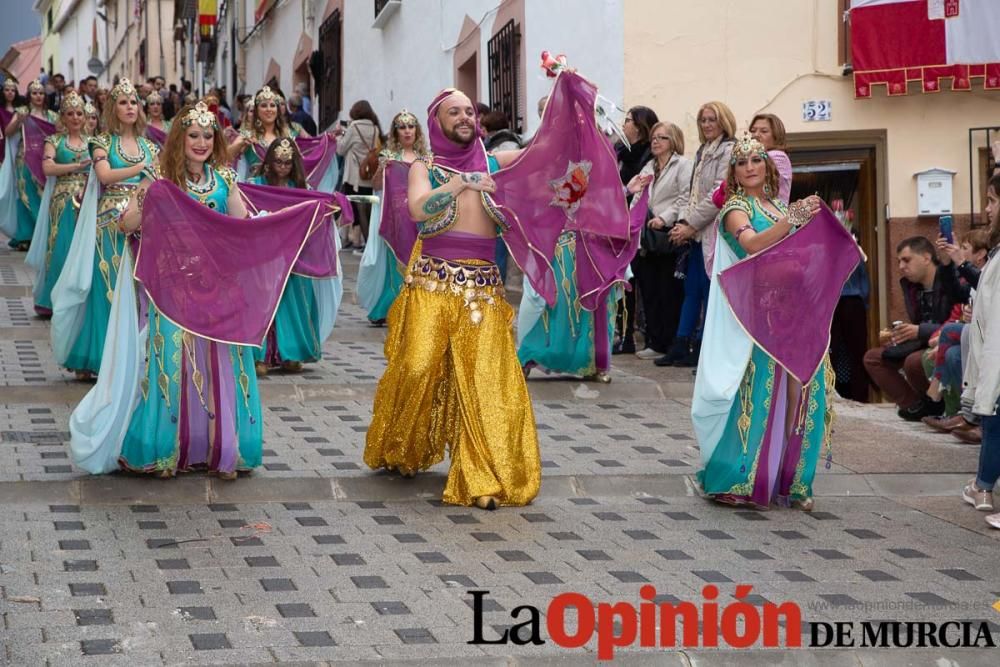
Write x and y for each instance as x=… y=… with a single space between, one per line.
x=566 y=178
x=803 y=273
x=271 y=198
x=222 y=277
x=317 y=153
x=34 y=130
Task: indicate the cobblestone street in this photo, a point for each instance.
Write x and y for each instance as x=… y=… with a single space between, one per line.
x=317 y=559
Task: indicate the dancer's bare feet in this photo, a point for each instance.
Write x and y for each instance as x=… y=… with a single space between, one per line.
x=488 y=503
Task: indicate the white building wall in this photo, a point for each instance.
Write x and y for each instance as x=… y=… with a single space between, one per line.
x=75 y=35
x=411 y=59
x=590 y=34
x=404 y=64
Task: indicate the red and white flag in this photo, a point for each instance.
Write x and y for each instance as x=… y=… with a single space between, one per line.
x=894 y=42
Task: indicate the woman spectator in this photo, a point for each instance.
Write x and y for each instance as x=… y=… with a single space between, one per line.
x=362 y=135
x=716 y=127
x=982 y=376
x=668 y=176
x=770 y=131
x=631 y=159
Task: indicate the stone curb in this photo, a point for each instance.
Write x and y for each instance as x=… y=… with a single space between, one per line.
x=200 y=489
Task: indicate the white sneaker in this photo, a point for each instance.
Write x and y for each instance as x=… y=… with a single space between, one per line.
x=993 y=520
x=648 y=353
x=981 y=500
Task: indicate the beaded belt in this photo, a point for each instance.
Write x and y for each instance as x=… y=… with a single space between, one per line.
x=475 y=283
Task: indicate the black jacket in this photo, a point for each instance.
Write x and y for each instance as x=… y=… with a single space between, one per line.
x=946 y=292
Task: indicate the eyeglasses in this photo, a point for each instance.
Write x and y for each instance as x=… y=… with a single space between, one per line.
x=659 y=138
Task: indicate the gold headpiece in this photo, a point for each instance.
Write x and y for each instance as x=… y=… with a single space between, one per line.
x=746 y=146
x=201 y=116
x=35 y=85
x=405 y=118
x=89 y=109
x=154 y=97
x=284 y=150
x=124 y=87
x=71 y=100
x=10 y=82
x=265 y=94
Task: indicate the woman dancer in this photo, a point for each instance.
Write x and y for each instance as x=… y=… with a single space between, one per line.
x=157 y=127
x=8 y=107
x=294 y=337
x=93 y=124
x=769 y=444
x=199 y=406
x=29 y=189
x=120 y=157
x=381 y=275
x=67 y=159
x=269 y=124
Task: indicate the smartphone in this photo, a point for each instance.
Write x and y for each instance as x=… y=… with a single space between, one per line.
x=945 y=225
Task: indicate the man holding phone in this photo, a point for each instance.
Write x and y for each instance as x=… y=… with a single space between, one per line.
x=930 y=291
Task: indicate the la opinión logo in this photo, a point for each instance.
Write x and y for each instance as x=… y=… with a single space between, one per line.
x=707 y=624
x=653 y=624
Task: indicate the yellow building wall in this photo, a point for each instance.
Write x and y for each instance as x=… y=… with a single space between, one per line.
x=773 y=55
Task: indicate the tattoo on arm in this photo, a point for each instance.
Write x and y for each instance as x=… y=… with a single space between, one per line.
x=438 y=202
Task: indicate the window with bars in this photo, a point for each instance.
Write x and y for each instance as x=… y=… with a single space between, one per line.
x=502 y=51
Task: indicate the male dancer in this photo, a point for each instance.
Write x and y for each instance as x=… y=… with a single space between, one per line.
x=453 y=377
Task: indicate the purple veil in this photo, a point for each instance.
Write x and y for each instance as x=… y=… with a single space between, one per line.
x=222 y=277
x=34 y=132
x=803 y=273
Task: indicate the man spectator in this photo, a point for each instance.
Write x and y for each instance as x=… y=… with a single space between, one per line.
x=499 y=136
x=54 y=99
x=145 y=89
x=88 y=89
x=299 y=115
x=158 y=83
x=302 y=89
x=930 y=291
x=171 y=102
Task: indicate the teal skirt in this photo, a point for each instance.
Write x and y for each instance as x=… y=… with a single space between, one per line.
x=294 y=334
x=199 y=406
x=390 y=290
x=61 y=227
x=28 y=203
x=88 y=349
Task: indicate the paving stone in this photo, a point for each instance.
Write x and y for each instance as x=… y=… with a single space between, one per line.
x=314 y=638
x=209 y=641
x=94 y=616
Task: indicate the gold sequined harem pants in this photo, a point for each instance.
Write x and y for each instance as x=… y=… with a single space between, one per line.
x=453 y=379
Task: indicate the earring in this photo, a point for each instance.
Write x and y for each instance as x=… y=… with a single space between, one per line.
x=767 y=190
x=740 y=191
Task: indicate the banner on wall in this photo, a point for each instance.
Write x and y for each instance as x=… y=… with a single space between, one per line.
x=894 y=42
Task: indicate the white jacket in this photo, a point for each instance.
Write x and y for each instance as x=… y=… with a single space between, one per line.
x=981 y=376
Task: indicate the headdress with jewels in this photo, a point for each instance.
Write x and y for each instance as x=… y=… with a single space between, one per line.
x=89 y=109
x=746 y=146
x=154 y=97
x=35 y=85
x=71 y=100
x=404 y=118
x=123 y=87
x=284 y=150
x=201 y=116
x=265 y=94
x=10 y=82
